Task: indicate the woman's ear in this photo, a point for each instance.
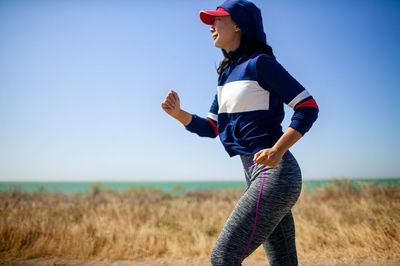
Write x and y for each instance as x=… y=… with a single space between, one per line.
x=237 y=29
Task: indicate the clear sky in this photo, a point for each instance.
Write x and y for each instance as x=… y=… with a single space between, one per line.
x=81 y=83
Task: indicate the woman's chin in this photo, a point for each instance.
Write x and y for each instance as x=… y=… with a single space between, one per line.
x=216 y=44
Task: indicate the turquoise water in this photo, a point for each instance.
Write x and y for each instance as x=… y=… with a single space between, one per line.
x=171 y=186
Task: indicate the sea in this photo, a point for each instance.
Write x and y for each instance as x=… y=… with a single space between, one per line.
x=177 y=187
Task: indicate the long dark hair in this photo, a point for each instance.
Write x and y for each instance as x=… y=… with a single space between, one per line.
x=248 y=46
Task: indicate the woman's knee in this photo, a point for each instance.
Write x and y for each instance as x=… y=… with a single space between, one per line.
x=216 y=256
x=220 y=257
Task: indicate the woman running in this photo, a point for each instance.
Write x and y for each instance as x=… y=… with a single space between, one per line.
x=246 y=114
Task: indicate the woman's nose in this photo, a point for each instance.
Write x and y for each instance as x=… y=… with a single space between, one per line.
x=212 y=29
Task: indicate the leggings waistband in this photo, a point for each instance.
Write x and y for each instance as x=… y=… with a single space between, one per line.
x=248 y=159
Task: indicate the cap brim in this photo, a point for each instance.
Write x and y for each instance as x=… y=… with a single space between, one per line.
x=208 y=16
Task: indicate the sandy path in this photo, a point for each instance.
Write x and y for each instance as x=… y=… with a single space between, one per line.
x=165 y=262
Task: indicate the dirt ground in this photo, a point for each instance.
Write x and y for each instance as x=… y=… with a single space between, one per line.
x=164 y=262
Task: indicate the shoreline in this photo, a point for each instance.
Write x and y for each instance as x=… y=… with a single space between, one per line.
x=171 y=187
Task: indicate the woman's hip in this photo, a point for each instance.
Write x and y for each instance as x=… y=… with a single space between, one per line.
x=285 y=176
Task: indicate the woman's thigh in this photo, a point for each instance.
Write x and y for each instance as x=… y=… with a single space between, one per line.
x=280 y=246
x=278 y=195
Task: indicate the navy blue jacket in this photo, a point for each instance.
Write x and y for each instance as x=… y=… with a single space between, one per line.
x=247 y=110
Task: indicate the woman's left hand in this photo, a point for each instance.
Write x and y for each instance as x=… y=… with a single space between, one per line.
x=269 y=157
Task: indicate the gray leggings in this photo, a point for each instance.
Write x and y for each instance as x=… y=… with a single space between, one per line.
x=274 y=226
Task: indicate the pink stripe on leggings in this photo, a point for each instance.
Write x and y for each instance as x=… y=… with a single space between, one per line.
x=255 y=221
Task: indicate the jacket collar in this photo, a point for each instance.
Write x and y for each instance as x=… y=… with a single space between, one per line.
x=236 y=56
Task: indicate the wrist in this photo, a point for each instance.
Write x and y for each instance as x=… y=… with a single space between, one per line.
x=184 y=117
x=279 y=150
x=177 y=114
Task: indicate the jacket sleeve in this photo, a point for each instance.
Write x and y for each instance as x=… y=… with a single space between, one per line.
x=273 y=77
x=205 y=127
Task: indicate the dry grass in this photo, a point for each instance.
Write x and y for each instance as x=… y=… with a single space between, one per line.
x=336 y=221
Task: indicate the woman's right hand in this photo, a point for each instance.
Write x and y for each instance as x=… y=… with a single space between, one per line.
x=171 y=104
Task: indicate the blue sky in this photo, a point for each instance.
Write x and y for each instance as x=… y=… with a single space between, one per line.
x=81 y=83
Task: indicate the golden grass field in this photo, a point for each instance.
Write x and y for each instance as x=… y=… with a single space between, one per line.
x=332 y=222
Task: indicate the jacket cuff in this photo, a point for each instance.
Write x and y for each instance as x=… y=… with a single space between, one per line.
x=193 y=125
x=299 y=126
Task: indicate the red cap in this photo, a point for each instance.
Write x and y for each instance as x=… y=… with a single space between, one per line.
x=208 y=16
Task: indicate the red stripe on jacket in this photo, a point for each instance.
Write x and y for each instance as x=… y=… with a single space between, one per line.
x=308 y=103
x=214 y=126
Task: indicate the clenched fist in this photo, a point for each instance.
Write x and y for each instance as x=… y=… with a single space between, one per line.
x=171 y=104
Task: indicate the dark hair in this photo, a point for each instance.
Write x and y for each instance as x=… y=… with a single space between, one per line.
x=246 y=46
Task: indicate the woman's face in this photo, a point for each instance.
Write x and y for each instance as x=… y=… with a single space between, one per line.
x=226 y=33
